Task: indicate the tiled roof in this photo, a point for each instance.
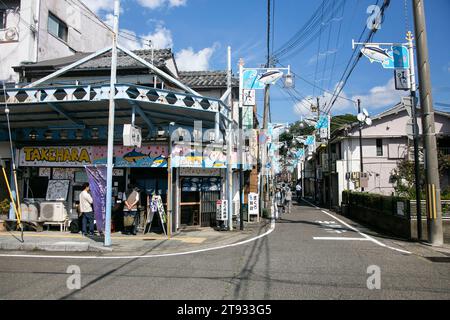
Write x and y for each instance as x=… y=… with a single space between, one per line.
x=124 y=61
x=206 y=79
x=104 y=61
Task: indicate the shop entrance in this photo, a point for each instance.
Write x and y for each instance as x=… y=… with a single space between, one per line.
x=208 y=208
x=198 y=208
x=198 y=201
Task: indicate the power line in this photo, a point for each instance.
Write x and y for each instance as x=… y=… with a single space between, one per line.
x=348 y=71
x=316 y=86
x=336 y=45
x=328 y=42
x=318 y=49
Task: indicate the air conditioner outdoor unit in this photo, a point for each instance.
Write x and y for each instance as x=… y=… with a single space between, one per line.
x=53 y=211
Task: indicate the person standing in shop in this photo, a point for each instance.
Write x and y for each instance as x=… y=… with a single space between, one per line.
x=86 y=211
x=130 y=210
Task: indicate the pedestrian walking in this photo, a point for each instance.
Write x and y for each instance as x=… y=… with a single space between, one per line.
x=86 y=211
x=288 y=200
x=298 y=189
x=130 y=210
x=279 y=200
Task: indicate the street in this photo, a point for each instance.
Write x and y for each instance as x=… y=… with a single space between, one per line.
x=311 y=254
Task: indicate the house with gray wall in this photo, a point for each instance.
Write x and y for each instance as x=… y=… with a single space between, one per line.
x=384 y=144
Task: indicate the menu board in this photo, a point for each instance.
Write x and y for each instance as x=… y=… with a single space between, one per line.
x=57 y=190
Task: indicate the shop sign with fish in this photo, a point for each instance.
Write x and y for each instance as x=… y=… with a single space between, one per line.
x=154 y=156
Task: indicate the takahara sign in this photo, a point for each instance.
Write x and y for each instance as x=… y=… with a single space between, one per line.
x=154 y=156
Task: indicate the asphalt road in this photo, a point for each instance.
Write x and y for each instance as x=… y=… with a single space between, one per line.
x=296 y=261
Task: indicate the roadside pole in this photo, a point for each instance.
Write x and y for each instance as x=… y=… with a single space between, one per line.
x=111 y=125
x=240 y=149
x=316 y=184
x=434 y=209
x=330 y=164
x=229 y=142
x=412 y=72
x=361 y=160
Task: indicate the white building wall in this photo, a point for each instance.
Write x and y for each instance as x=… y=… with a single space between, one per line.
x=86 y=33
x=23 y=47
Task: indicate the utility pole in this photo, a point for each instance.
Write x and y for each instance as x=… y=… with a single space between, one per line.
x=315 y=158
x=266 y=117
x=110 y=164
x=241 y=147
x=361 y=161
x=434 y=209
x=330 y=164
x=229 y=146
x=412 y=71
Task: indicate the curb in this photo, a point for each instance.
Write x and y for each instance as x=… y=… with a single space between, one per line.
x=67 y=246
x=54 y=247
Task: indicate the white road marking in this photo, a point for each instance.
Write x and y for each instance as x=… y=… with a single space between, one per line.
x=272 y=228
x=359 y=232
x=340 y=239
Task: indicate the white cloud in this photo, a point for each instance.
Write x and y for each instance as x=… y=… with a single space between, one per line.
x=177 y=3
x=98 y=6
x=381 y=96
x=188 y=59
x=153 y=4
x=377 y=98
x=161 y=37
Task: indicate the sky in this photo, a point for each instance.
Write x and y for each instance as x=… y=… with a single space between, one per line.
x=199 y=32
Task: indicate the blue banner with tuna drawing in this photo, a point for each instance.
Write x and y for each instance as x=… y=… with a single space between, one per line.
x=97 y=184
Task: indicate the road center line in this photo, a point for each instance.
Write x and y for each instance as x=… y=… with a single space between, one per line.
x=359 y=232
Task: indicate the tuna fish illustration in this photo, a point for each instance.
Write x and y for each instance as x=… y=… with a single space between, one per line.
x=271 y=76
x=134 y=156
x=159 y=161
x=376 y=54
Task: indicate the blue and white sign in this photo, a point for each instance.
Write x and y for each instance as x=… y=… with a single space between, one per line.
x=251 y=81
x=401 y=57
x=300 y=154
x=310 y=140
x=376 y=54
x=322 y=123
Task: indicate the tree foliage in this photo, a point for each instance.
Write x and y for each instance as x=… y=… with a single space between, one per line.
x=405 y=179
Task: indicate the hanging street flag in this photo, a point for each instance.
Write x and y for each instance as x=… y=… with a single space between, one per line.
x=97 y=184
x=251 y=80
x=401 y=57
x=322 y=123
x=300 y=154
x=376 y=54
x=310 y=140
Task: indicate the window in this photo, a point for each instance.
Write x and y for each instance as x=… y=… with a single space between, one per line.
x=2 y=19
x=379 y=147
x=56 y=27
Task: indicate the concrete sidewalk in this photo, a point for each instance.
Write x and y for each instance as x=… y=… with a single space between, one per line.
x=150 y=243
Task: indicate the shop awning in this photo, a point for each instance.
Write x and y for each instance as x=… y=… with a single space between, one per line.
x=78 y=106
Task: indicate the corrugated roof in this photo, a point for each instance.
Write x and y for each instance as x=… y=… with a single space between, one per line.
x=206 y=79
